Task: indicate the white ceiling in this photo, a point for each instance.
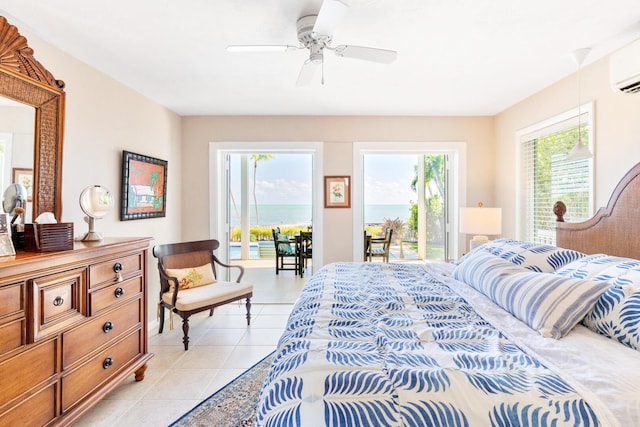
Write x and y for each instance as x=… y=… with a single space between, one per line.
x=455 y=57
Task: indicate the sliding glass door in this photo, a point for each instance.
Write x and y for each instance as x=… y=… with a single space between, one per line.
x=407 y=192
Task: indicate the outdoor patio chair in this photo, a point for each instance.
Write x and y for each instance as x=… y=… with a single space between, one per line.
x=380 y=246
x=304 y=248
x=285 y=251
x=189 y=284
x=367 y=246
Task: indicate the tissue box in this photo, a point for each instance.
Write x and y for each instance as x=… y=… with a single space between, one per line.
x=48 y=237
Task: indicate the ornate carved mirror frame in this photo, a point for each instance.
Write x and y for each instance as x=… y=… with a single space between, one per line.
x=24 y=79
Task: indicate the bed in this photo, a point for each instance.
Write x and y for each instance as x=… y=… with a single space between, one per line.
x=513 y=334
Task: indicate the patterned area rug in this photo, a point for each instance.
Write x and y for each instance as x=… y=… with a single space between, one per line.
x=234 y=404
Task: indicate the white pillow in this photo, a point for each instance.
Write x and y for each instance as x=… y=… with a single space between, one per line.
x=193 y=277
x=548 y=303
x=532 y=256
x=616 y=313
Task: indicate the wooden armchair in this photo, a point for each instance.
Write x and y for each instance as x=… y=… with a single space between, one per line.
x=380 y=247
x=189 y=285
x=285 y=251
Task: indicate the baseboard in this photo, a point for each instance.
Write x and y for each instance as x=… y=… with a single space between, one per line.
x=152 y=327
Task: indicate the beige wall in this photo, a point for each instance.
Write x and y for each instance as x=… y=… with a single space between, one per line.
x=103 y=118
x=616 y=125
x=338 y=135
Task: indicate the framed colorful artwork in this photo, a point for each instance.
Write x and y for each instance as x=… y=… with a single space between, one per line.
x=24 y=177
x=337 y=192
x=144 y=187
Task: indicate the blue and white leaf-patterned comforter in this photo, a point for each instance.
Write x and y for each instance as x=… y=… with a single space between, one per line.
x=391 y=345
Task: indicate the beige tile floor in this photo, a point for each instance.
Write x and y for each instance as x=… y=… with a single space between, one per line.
x=221 y=348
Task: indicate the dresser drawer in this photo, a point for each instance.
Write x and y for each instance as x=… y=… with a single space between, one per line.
x=115 y=270
x=59 y=302
x=116 y=293
x=12 y=335
x=31 y=367
x=11 y=299
x=40 y=406
x=82 y=381
x=99 y=331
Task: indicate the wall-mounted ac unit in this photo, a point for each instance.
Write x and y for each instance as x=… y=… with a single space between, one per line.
x=624 y=68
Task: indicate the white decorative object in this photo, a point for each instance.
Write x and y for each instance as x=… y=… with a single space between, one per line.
x=95 y=201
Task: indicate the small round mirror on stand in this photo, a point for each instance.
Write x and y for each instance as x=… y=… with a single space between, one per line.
x=95 y=202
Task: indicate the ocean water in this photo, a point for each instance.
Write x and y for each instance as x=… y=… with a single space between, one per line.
x=301 y=214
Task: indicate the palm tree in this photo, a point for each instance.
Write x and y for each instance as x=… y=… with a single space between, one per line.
x=433 y=173
x=257 y=158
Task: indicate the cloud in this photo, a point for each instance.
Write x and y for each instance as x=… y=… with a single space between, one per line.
x=283 y=191
x=379 y=192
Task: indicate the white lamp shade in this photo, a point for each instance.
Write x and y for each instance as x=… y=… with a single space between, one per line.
x=485 y=221
x=579 y=151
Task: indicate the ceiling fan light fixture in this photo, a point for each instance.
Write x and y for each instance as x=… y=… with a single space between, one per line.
x=315 y=33
x=316 y=55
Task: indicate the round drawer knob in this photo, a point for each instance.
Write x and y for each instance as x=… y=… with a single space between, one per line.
x=58 y=301
x=107 y=327
x=118 y=292
x=117 y=268
x=107 y=362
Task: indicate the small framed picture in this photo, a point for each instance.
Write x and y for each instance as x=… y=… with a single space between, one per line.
x=337 y=192
x=144 y=187
x=24 y=177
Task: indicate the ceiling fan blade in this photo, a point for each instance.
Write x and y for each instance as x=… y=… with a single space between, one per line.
x=260 y=48
x=308 y=72
x=330 y=14
x=366 y=53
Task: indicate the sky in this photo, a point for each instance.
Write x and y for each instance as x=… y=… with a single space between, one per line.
x=286 y=179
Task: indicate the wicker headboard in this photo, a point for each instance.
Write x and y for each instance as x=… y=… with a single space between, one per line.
x=614 y=229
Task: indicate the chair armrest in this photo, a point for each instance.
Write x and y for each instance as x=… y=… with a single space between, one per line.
x=164 y=277
x=230 y=266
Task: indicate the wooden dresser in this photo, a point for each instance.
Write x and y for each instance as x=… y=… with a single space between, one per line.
x=73 y=325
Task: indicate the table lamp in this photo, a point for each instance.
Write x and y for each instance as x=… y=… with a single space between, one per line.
x=480 y=222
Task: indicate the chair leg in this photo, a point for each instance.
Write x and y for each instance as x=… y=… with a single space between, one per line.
x=248 y=305
x=161 y=318
x=211 y=312
x=185 y=329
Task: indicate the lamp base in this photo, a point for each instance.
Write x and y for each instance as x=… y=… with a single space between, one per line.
x=478 y=241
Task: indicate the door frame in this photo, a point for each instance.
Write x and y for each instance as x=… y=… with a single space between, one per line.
x=218 y=178
x=456 y=188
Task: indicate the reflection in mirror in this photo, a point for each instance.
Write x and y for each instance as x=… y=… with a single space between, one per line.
x=16 y=149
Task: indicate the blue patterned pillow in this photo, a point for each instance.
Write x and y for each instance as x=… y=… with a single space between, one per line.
x=548 y=303
x=616 y=313
x=532 y=256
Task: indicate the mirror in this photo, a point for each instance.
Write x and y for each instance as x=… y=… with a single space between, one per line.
x=25 y=80
x=95 y=202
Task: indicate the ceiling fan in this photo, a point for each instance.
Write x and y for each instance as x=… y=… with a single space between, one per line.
x=315 y=33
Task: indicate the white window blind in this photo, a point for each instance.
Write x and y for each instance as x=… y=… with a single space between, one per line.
x=548 y=176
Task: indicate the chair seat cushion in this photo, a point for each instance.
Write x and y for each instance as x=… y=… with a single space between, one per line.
x=203 y=296
x=378 y=251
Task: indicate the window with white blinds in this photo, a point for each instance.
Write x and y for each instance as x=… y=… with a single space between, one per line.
x=547 y=175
